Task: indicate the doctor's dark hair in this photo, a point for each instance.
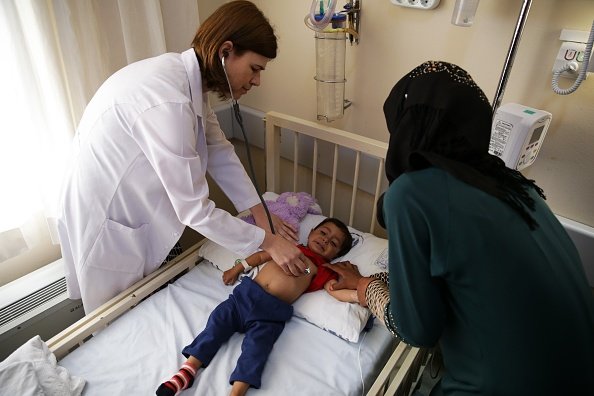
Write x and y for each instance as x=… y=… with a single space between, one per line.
x=347 y=244
x=240 y=22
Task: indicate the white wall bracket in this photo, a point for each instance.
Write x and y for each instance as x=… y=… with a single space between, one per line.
x=572 y=51
x=420 y=4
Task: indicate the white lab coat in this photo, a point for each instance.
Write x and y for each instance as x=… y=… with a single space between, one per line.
x=141 y=153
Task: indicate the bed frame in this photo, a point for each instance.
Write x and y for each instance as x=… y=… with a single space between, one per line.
x=314 y=159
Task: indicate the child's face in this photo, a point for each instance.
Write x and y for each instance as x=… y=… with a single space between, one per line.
x=326 y=240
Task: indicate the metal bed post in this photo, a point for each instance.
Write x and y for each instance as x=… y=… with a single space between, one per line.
x=273 y=137
x=511 y=53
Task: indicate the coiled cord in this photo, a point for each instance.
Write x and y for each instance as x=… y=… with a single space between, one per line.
x=572 y=66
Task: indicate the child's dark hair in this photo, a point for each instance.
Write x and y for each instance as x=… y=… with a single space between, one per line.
x=348 y=238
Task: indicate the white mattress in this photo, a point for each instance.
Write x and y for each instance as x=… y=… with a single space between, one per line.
x=142 y=348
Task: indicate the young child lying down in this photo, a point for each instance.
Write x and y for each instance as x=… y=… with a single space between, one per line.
x=260 y=307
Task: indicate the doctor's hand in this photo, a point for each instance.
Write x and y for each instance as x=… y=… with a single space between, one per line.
x=281 y=228
x=348 y=275
x=285 y=254
x=284 y=229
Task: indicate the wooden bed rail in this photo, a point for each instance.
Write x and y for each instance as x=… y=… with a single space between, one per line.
x=401 y=372
x=79 y=332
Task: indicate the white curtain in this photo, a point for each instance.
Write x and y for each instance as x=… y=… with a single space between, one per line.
x=55 y=54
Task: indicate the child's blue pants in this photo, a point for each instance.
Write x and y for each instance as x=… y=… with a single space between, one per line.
x=250 y=310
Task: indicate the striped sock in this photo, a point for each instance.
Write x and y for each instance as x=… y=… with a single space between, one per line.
x=181 y=380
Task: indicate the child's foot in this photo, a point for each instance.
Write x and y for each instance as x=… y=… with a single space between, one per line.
x=165 y=390
x=181 y=380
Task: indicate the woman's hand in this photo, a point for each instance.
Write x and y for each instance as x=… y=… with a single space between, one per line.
x=348 y=275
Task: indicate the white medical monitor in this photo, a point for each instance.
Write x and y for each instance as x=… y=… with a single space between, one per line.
x=517 y=134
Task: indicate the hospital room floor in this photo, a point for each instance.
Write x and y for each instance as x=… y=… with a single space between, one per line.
x=431 y=375
x=426 y=385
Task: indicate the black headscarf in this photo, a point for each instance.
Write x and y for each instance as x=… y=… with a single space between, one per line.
x=438 y=116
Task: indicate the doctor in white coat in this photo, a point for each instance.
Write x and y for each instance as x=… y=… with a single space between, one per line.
x=142 y=150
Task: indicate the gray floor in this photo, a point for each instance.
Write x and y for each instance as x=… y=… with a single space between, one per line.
x=427 y=385
x=431 y=375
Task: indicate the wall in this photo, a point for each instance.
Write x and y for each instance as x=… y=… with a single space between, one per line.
x=396 y=39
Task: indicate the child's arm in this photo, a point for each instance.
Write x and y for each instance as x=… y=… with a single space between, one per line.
x=345 y=295
x=230 y=276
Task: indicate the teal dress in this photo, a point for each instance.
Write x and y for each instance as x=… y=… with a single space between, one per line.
x=510 y=308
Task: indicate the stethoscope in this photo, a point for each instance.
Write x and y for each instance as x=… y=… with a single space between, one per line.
x=237 y=113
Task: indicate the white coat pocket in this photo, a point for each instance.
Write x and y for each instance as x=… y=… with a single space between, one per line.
x=115 y=262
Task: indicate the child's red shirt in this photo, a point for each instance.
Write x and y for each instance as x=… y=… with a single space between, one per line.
x=324 y=274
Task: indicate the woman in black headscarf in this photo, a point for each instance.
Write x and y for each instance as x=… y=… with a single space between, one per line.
x=478 y=263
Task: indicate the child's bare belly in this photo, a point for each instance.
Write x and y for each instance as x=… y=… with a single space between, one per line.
x=285 y=287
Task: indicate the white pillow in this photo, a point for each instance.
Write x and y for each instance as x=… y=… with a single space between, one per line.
x=220 y=257
x=345 y=320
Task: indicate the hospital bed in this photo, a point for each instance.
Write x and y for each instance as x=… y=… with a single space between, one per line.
x=132 y=343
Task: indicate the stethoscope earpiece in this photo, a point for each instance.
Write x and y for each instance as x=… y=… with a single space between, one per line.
x=227 y=78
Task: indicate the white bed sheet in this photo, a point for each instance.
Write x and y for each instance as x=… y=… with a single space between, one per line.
x=142 y=348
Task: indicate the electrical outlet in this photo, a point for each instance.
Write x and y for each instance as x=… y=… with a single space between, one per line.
x=421 y=4
x=572 y=51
